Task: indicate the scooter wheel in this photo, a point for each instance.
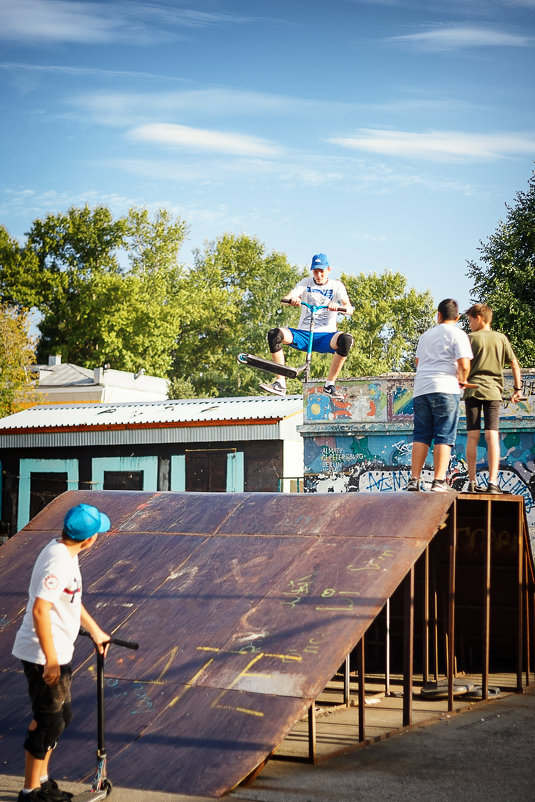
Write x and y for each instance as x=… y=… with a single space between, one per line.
x=242 y=359
x=107 y=786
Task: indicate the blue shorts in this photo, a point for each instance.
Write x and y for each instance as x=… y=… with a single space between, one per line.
x=321 y=341
x=435 y=418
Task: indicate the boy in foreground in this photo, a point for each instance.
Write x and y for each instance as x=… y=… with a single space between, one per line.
x=45 y=644
x=492 y=351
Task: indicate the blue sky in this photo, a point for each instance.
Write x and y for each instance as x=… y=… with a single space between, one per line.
x=386 y=133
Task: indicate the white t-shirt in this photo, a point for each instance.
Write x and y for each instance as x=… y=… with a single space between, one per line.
x=438 y=350
x=317 y=294
x=55 y=578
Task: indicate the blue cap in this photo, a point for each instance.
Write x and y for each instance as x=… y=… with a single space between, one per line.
x=84 y=521
x=319 y=262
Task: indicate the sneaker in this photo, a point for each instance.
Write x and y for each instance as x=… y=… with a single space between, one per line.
x=276 y=388
x=53 y=792
x=413 y=484
x=42 y=795
x=441 y=486
x=473 y=488
x=494 y=490
x=331 y=390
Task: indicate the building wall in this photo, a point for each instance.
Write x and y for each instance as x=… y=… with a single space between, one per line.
x=364 y=442
x=250 y=466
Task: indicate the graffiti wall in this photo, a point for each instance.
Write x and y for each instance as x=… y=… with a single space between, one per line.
x=364 y=442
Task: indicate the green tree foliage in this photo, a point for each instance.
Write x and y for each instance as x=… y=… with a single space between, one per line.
x=234 y=288
x=386 y=324
x=16 y=356
x=109 y=290
x=18 y=268
x=504 y=277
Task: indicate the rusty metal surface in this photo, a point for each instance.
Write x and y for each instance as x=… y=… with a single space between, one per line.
x=244 y=606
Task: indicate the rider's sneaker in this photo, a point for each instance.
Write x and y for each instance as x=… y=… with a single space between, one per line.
x=331 y=390
x=413 y=484
x=53 y=792
x=276 y=388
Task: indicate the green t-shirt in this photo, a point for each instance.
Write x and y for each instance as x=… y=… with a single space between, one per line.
x=492 y=351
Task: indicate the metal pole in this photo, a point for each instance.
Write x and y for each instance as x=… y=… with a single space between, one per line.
x=408 y=646
x=361 y=690
x=425 y=656
x=486 y=602
x=451 y=605
x=520 y=556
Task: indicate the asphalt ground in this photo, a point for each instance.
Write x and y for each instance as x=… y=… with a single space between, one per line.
x=486 y=754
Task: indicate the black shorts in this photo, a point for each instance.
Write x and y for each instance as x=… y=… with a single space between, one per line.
x=491 y=413
x=47 y=699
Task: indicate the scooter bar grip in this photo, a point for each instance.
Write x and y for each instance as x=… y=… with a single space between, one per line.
x=128 y=644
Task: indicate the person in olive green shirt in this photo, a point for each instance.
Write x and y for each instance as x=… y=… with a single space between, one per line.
x=492 y=351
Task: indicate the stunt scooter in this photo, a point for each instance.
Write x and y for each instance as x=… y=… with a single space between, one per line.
x=285 y=370
x=101 y=787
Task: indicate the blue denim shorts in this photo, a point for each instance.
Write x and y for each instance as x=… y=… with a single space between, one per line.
x=435 y=418
x=321 y=341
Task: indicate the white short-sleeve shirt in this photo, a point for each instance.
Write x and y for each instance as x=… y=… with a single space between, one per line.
x=438 y=350
x=55 y=578
x=317 y=295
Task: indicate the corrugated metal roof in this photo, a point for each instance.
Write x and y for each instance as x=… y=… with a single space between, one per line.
x=195 y=411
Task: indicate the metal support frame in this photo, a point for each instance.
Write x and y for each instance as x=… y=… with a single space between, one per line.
x=428 y=603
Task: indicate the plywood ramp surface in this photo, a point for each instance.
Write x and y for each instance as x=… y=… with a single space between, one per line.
x=244 y=606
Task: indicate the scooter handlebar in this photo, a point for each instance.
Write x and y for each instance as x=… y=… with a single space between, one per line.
x=340 y=309
x=127 y=644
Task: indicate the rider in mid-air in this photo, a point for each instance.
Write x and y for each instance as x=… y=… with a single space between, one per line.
x=317 y=290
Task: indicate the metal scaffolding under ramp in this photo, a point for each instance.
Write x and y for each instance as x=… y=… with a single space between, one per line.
x=246 y=605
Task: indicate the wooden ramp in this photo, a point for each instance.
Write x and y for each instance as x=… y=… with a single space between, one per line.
x=244 y=606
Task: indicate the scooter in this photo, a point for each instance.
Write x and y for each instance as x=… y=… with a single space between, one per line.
x=286 y=370
x=101 y=786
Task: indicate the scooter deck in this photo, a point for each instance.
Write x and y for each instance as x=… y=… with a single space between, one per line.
x=90 y=796
x=269 y=366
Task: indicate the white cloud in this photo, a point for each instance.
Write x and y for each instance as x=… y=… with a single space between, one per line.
x=54 y=21
x=182 y=136
x=439 y=145
x=51 y=21
x=460 y=37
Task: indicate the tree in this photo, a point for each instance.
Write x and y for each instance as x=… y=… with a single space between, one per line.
x=504 y=277
x=235 y=288
x=109 y=290
x=386 y=324
x=16 y=356
x=18 y=267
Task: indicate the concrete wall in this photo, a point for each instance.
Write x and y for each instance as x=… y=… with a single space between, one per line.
x=364 y=442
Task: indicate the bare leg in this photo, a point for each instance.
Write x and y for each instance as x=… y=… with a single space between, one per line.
x=472 y=440
x=418 y=457
x=441 y=459
x=336 y=366
x=34 y=768
x=278 y=356
x=493 y=454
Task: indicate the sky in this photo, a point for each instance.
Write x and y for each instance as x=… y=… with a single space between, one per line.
x=388 y=134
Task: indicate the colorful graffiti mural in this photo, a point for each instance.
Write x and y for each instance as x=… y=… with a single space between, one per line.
x=363 y=443
x=389 y=398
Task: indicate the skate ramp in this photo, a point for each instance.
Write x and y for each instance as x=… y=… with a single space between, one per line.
x=244 y=606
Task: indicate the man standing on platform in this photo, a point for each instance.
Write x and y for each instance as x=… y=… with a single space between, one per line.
x=443 y=359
